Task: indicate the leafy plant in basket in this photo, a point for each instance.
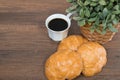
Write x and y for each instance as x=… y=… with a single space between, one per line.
x=98 y=19
x=100 y=15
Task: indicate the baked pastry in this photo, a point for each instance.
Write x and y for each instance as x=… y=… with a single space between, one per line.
x=63 y=65
x=75 y=55
x=93 y=56
x=72 y=42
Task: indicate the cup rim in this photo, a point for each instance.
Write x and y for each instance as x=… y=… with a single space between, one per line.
x=67 y=19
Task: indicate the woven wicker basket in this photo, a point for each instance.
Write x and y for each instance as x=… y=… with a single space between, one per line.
x=97 y=37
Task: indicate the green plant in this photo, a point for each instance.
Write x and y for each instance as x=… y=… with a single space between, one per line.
x=95 y=13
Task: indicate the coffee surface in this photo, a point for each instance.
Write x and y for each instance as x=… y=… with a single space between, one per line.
x=58 y=24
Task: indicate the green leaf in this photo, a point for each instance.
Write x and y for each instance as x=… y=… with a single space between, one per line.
x=93 y=14
x=92 y=29
x=116 y=12
x=71 y=9
x=101 y=16
x=93 y=3
x=81 y=13
x=104 y=24
x=77 y=18
x=97 y=8
x=87 y=2
x=110 y=5
x=115 y=21
x=102 y=2
x=92 y=19
x=89 y=23
x=80 y=3
x=98 y=30
x=81 y=23
x=69 y=1
x=97 y=22
x=112 y=0
x=101 y=7
x=112 y=28
x=78 y=9
x=94 y=0
x=91 y=8
x=112 y=17
x=68 y=10
x=104 y=32
x=87 y=12
x=108 y=17
x=105 y=12
x=116 y=7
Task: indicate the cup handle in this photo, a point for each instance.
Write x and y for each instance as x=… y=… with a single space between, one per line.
x=70 y=14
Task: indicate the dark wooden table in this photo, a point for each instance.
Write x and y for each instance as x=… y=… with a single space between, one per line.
x=25 y=46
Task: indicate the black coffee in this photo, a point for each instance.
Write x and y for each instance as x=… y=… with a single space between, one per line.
x=58 y=24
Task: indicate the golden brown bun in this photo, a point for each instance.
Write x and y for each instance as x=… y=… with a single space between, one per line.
x=72 y=42
x=93 y=56
x=63 y=64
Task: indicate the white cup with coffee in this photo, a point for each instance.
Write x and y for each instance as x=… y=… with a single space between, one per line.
x=58 y=26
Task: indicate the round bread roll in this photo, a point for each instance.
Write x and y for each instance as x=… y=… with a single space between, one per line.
x=63 y=64
x=93 y=56
x=72 y=42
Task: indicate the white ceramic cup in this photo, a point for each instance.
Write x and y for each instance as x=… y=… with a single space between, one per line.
x=58 y=35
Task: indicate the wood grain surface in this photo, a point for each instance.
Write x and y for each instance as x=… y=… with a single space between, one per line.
x=25 y=45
